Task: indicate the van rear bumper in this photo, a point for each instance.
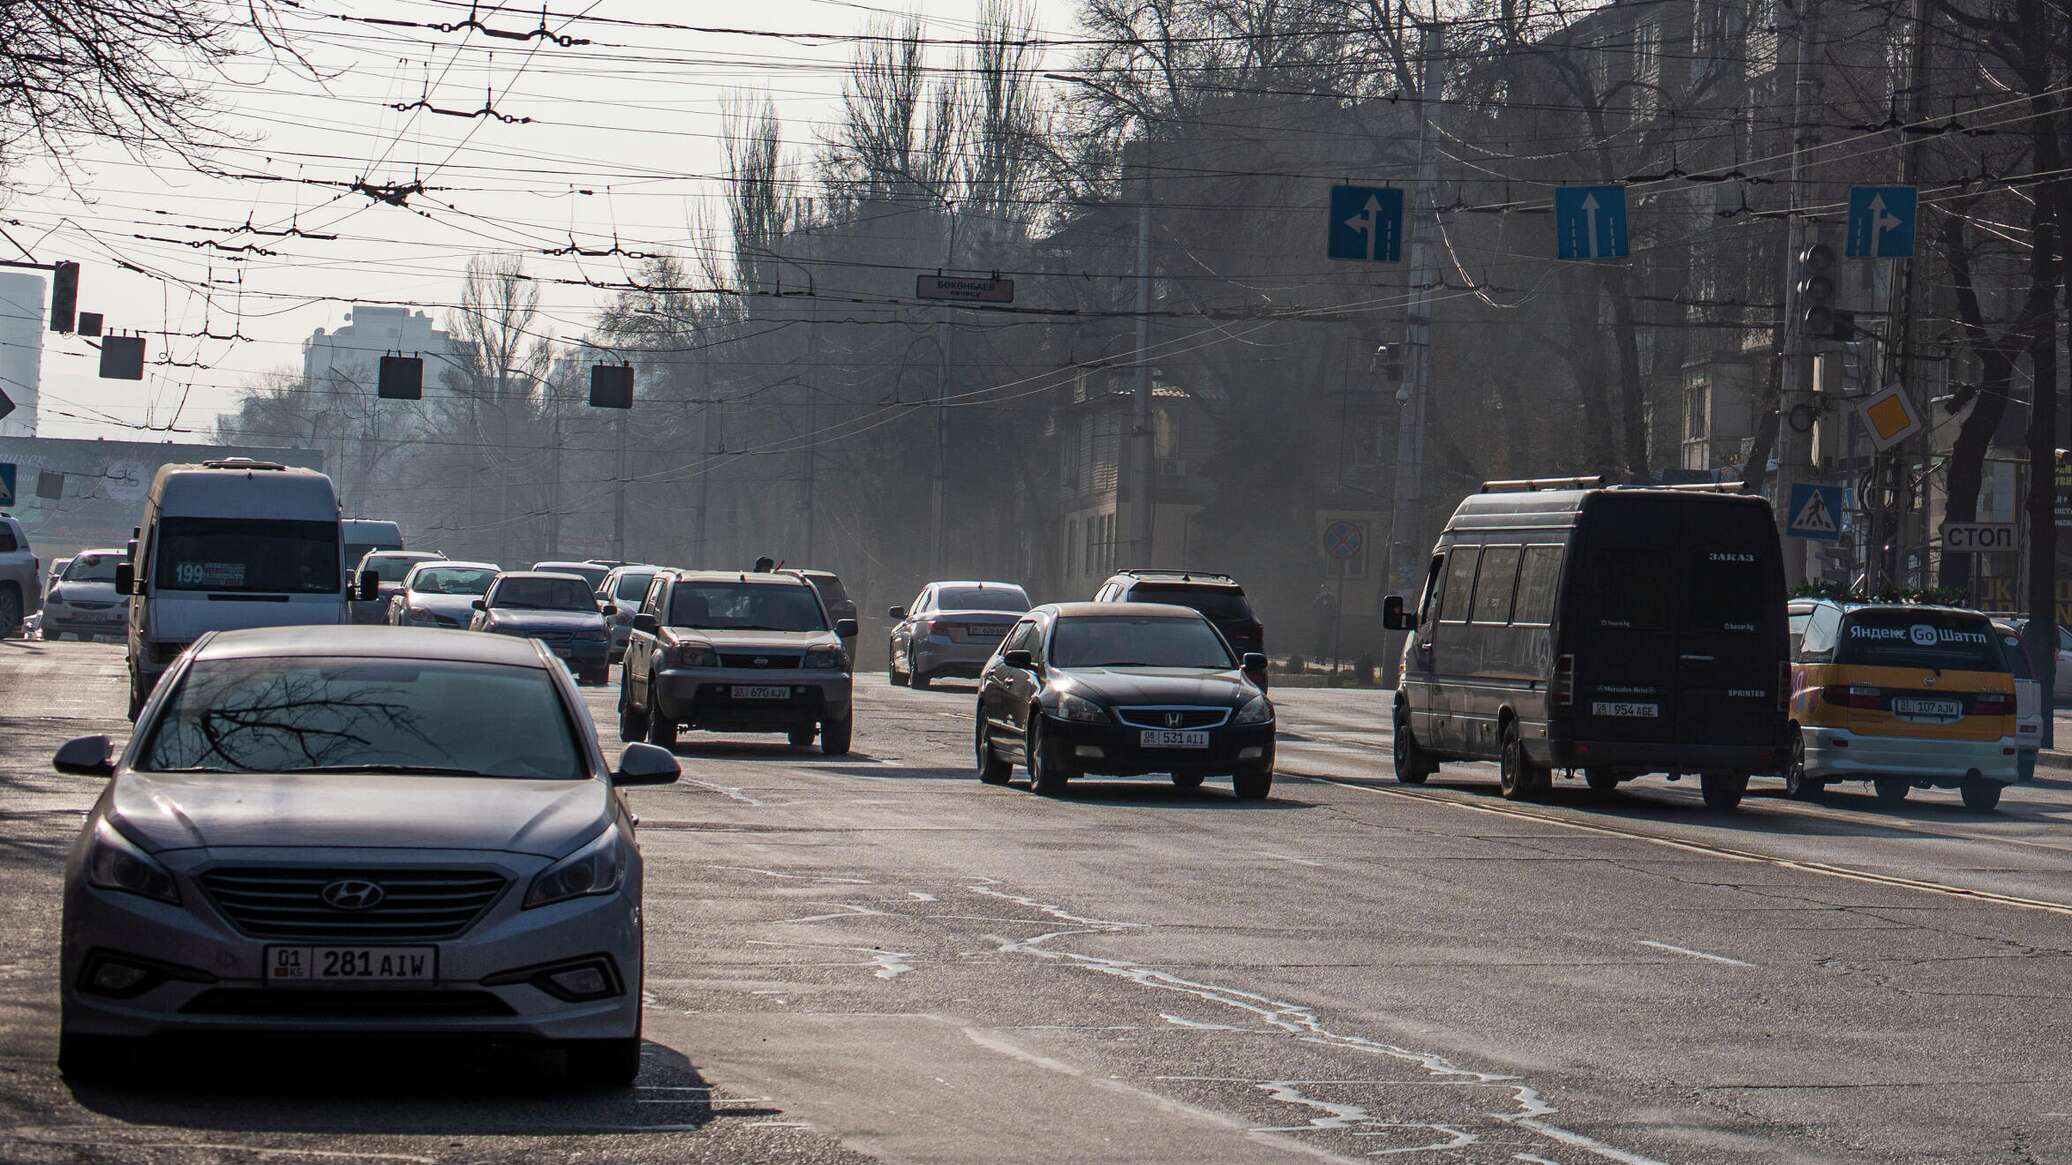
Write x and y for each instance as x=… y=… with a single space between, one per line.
x=1839 y=754
x=1663 y=757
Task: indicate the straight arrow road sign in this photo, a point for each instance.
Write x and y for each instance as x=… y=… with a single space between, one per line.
x=1590 y=222
x=1881 y=222
x=1366 y=224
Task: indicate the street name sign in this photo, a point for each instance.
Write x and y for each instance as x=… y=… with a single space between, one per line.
x=1366 y=224
x=1881 y=222
x=966 y=288
x=1816 y=512
x=1978 y=536
x=1590 y=222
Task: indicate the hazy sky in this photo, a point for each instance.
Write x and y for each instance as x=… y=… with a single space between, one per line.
x=623 y=140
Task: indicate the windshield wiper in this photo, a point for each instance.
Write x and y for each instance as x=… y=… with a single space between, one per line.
x=411 y=770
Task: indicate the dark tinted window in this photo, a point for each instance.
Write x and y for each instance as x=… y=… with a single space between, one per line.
x=1495 y=584
x=7 y=543
x=2017 y=659
x=1539 y=580
x=244 y=554
x=453 y=580
x=1621 y=586
x=543 y=594
x=830 y=588
x=1729 y=591
x=981 y=599
x=588 y=572
x=1818 y=646
x=1926 y=639
x=632 y=585
x=1460 y=585
x=388 y=568
x=93 y=568
x=1223 y=604
x=1435 y=580
x=745 y=606
x=1124 y=641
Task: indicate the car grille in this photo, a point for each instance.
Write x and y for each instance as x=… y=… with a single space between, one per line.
x=88 y=606
x=767 y=660
x=288 y=903
x=1190 y=718
x=345 y=1003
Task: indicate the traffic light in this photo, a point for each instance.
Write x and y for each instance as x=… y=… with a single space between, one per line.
x=64 y=296
x=1816 y=290
x=611 y=386
x=401 y=378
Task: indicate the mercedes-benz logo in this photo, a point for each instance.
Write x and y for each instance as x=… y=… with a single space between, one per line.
x=352 y=894
x=1175 y=719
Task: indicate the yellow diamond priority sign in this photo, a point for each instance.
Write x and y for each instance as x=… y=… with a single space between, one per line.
x=1889 y=416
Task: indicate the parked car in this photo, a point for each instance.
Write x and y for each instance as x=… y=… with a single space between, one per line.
x=716 y=651
x=590 y=572
x=2062 y=688
x=1901 y=695
x=432 y=845
x=560 y=610
x=624 y=588
x=388 y=567
x=2028 y=701
x=1619 y=631
x=441 y=593
x=1218 y=597
x=1121 y=689
x=57 y=571
x=21 y=578
x=950 y=629
x=835 y=597
x=84 y=602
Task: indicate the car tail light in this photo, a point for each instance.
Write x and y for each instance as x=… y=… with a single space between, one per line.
x=1564 y=687
x=1853 y=696
x=1992 y=704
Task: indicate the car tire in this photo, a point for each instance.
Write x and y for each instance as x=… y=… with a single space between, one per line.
x=94 y=1059
x=1601 y=781
x=835 y=734
x=916 y=678
x=1518 y=779
x=1797 y=785
x=1187 y=780
x=1252 y=784
x=893 y=675
x=800 y=736
x=603 y=1064
x=661 y=730
x=1722 y=791
x=1046 y=779
x=10 y=613
x=137 y=696
x=1980 y=794
x=1892 y=791
x=633 y=722
x=1413 y=764
x=991 y=769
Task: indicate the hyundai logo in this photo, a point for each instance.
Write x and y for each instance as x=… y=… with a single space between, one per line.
x=1176 y=719
x=352 y=894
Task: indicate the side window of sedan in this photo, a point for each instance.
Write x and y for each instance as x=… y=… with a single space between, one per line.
x=652 y=604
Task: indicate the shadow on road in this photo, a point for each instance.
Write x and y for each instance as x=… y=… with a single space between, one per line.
x=1160 y=793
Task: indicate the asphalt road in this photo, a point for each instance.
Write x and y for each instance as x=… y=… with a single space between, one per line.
x=877 y=956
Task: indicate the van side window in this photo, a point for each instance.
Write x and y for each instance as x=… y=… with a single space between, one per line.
x=1819 y=643
x=1797 y=624
x=1539 y=578
x=7 y=542
x=1435 y=581
x=1456 y=601
x=1496 y=585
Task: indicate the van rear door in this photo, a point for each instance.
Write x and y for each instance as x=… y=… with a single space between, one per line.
x=1619 y=620
x=1730 y=654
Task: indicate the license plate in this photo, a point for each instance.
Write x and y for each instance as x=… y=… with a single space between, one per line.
x=743 y=692
x=1165 y=738
x=1927 y=709
x=1625 y=708
x=352 y=964
x=984 y=632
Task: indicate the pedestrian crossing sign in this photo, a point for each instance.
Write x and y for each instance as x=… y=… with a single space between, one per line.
x=1816 y=512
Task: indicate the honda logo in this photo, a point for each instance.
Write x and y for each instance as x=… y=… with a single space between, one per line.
x=1176 y=719
x=352 y=894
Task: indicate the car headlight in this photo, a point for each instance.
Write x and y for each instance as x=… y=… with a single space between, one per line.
x=594 y=634
x=1255 y=711
x=692 y=655
x=597 y=868
x=1081 y=709
x=826 y=657
x=114 y=862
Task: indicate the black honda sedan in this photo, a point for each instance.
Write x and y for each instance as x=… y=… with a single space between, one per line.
x=1121 y=689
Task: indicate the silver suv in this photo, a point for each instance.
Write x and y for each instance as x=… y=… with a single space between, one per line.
x=21 y=578
x=720 y=651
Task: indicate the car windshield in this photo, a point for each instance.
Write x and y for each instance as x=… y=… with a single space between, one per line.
x=389 y=568
x=982 y=599
x=745 y=607
x=453 y=580
x=92 y=568
x=1222 y=604
x=594 y=575
x=249 y=555
x=1138 y=641
x=633 y=585
x=321 y=715
x=2011 y=648
x=1918 y=639
x=543 y=594
x=830 y=588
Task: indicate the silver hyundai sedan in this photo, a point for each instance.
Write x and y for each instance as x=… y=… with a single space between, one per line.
x=367 y=831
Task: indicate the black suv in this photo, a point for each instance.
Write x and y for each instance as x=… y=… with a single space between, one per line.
x=1217 y=596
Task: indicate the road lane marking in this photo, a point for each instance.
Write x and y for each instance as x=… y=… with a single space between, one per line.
x=1285 y=858
x=1694 y=954
x=250 y=1150
x=1709 y=849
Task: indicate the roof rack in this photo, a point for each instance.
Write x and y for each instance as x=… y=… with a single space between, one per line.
x=1528 y=484
x=1186 y=575
x=1702 y=487
x=244 y=463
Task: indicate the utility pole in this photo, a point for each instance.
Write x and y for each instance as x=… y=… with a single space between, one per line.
x=554 y=472
x=1145 y=487
x=1415 y=395
x=938 y=507
x=812 y=426
x=619 y=498
x=1794 y=448
x=1907 y=511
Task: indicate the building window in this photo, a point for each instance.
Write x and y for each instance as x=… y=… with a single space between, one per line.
x=1647 y=70
x=1762 y=37
x=1072 y=549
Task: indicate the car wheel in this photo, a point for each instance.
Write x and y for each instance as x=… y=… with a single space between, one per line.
x=603 y=1063
x=137 y=697
x=1797 y=785
x=1601 y=780
x=1252 y=785
x=1413 y=764
x=893 y=675
x=633 y=722
x=1722 y=790
x=661 y=730
x=10 y=614
x=916 y=678
x=1045 y=777
x=1892 y=791
x=1517 y=777
x=991 y=769
x=800 y=736
x=88 y=1058
x=834 y=735
x=1980 y=794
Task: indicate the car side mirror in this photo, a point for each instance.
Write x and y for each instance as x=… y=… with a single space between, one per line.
x=86 y=756
x=370 y=586
x=480 y=604
x=125 y=579
x=895 y=612
x=647 y=764
x=1393 y=617
x=1025 y=661
x=845 y=628
x=606 y=606
x=1254 y=663
x=646 y=622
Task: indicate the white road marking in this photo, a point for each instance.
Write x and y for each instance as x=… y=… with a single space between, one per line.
x=1193 y=1025
x=1337 y=1116
x=848 y=910
x=731 y=792
x=1285 y=858
x=1532 y=1160
x=1694 y=954
x=889 y=964
x=917 y=896
x=249 y=1150
x=793 y=877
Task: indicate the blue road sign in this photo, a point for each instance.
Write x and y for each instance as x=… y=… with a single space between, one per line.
x=1342 y=540
x=6 y=484
x=1881 y=222
x=1816 y=512
x=1366 y=224
x=1590 y=222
